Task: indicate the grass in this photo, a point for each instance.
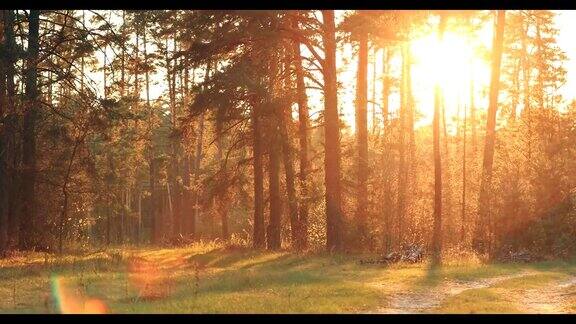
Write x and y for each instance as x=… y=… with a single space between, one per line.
x=208 y=278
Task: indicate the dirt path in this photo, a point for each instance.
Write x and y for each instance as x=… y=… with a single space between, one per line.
x=422 y=299
x=551 y=299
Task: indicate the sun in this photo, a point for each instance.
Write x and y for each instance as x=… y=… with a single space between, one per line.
x=452 y=64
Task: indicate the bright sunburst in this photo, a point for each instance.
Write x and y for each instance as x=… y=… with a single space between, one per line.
x=454 y=64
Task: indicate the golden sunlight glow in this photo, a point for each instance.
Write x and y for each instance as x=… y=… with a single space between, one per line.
x=454 y=64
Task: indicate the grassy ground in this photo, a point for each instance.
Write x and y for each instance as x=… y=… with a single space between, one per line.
x=212 y=279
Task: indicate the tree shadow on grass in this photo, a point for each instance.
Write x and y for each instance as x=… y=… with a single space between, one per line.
x=261 y=271
x=97 y=264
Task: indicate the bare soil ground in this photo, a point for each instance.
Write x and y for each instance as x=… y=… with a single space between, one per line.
x=550 y=298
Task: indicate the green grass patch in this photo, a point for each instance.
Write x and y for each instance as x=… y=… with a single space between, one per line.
x=209 y=278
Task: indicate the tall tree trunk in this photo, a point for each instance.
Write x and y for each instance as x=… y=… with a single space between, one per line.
x=9 y=134
x=516 y=87
x=197 y=168
x=287 y=154
x=437 y=231
x=259 y=234
x=362 y=138
x=188 y=223
x=473 y=112
x=275 y=223
x=109 y=196
x=3 y=146
x=540 y=63
x=65 y=194
x=136 y=95
x=387 y=199
x=332 y=176
x=174 y=165
x=304 y=124
x=198 y=158
x=446 y=176
x=273 y=233
x=373 y=94
x=155 y=216
x=385 y=87
x=28 y=220
x=411 y=110
x=82 y=58
x=444 y=125
x=483 y=234
x=402 y=165
x=122 y=61
x=222 y=193
x=285 y=124
x=526 y=68
x=463 y=224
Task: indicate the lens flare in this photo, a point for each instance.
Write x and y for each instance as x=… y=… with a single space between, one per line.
x=71 y=300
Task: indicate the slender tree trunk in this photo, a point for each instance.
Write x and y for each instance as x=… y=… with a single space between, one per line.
x=540 y=61
x=197 y=166
x=3 y=146
x=172 y=106
x=444 y=125
x=155 y=216
x=139 y=229
x=198 y=158
x=28 y=221
x=64 y=211
x=362 y=138
x=285 y=124
x=411 y=110
x=104 y=75
x=473 y=112
x=173 y=171
x=437 y=231
x=274 y=226
x=176 y=146
x=483 y=235
x=463 y=211
x=82 y=58
x=273 y=233
x=9 y=134
x=387 y=199
x=109 y=197
x=385 y=87
x=402 y=165
x=222 y=194
x=332 y=173
x=525 y=68
x=446 y=176
x=516 y=87
x=188 y=223
x=373 y=94
x=304 y=124
x=287 y=154
x=259 y=226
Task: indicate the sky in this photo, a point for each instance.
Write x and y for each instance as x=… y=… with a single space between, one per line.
x=566 y=22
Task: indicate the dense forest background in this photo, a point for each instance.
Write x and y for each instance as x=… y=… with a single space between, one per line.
x=168 y=127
